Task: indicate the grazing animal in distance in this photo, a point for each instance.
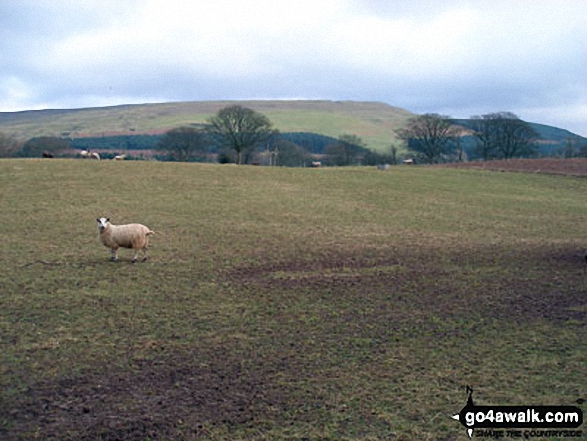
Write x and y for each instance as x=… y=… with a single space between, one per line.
x=89 y=154
x=120 y=157
x=135 y=236
x=47 y=155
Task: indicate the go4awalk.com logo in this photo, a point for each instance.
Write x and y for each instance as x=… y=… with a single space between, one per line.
x=520 y=421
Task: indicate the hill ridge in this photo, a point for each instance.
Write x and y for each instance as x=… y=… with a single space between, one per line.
x=373 y=121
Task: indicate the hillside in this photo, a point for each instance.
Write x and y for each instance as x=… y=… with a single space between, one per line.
x=373 y=122
x=553 y=140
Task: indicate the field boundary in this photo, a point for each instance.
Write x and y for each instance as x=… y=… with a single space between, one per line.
x=576 y=167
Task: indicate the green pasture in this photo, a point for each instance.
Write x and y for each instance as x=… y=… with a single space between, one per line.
x=336 y=303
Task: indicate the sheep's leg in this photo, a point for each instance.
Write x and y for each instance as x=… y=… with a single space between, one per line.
x=113 y=255
x=144 y=254
x=136 y=257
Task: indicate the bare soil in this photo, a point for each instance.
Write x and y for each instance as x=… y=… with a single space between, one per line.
x=557 y=166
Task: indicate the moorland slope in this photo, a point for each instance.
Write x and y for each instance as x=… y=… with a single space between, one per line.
x=373 y=122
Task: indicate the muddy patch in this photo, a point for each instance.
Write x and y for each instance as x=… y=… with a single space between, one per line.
x=533 y=281
x=174 y=397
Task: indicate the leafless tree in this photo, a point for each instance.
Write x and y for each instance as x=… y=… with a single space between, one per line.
x=184 y=144
x=503 y=135
x=430 y=135
x=240 y=129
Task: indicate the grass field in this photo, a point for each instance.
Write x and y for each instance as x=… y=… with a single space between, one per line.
x=338 y=303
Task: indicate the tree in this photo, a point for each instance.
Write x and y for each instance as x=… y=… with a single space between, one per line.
x=184 y=144
x=515 y=137
x=430 y=136
x=503 y=135
x=345 y=151
x=35 y=147
x=483 y=129
x=289 y=154
x=393 y=156
x=241 y=129
x=375 y=158
x=273 y=146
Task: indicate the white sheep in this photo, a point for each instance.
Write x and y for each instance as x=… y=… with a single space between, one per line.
x=89 y=154
x=134 y=236
x=120 y=157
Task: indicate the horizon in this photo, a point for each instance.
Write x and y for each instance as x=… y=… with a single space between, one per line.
x=73 y=109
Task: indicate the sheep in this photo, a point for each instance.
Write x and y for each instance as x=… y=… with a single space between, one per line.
x=89 y=154
x=47 y=154
x=120 y=157
x=134 y=236
x=316 y=164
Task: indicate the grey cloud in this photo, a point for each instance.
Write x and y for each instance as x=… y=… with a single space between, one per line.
x=78 y=54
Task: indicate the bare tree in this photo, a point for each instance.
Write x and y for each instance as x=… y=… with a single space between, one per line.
x=241 y=129
x=184 y=144
x=516 y=137
x=483 y=127
x=290 y=154
x=503 y=135
x=430 y=135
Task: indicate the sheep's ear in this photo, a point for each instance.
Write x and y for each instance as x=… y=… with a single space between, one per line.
x=108 y=220
x=98 y=219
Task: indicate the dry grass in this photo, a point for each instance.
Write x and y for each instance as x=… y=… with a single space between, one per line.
x=285 y=304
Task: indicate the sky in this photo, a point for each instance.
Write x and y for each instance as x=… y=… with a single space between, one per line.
x=453 y=57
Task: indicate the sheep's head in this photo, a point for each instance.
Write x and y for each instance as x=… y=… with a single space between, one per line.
x=102 y=223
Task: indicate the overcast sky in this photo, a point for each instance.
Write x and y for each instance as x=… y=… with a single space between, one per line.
x=454 y=57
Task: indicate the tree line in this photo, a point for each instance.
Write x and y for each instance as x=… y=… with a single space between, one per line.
x=435 y=138
x=241 y=135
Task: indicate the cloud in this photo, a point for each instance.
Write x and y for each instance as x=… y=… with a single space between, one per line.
x=426 y=56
